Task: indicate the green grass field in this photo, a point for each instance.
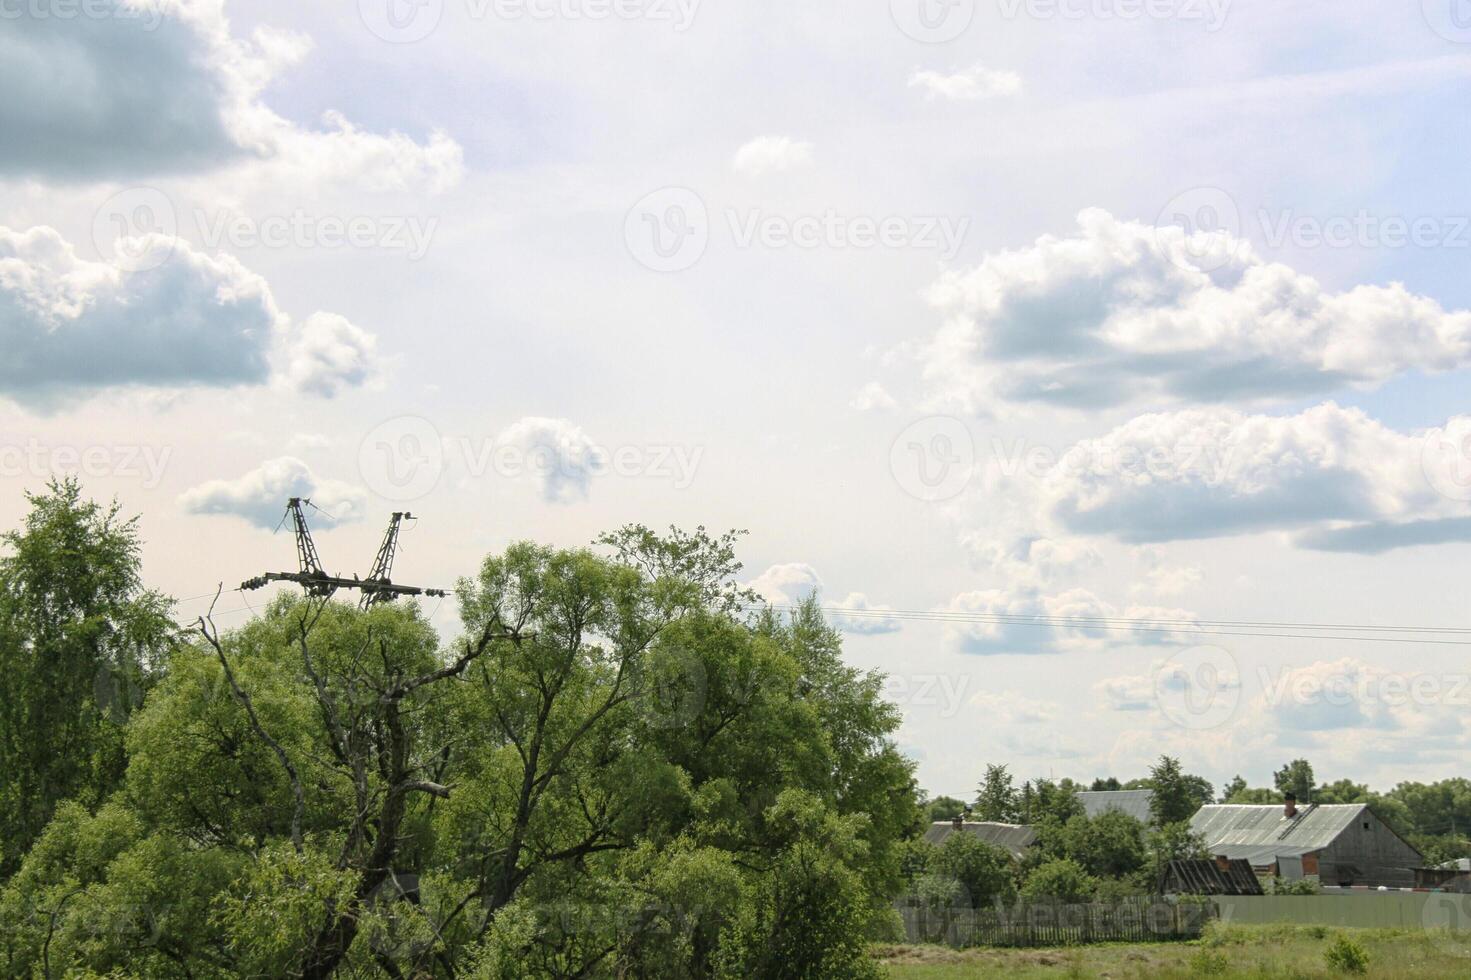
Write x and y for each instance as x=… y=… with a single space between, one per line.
x=1226 y=951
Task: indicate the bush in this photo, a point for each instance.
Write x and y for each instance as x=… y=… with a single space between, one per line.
x=1302 y=886
x=1346 y=956
x=1209 y=963
x=1061 y=881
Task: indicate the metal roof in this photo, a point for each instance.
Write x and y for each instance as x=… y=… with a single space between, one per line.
x=1206 y=877
x=1134 y=802
x=1236 y=829
x=1015 y=838
x=1259 y=855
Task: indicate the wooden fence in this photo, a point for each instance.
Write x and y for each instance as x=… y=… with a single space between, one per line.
x=1142 y=919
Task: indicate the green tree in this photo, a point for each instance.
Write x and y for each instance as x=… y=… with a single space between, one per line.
x=1172 y=842
x=1296 y=778
x=1176 y=794
x=80 y=640
x=943 y=808
x=609 y=774
x=969 y=872
x=996 y=799
x=1229 y=790
x=1059 y=880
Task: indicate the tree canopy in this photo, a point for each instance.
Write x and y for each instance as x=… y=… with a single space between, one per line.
x=610 y=772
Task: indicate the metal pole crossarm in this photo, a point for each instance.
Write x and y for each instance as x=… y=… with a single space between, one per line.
x=376 y=588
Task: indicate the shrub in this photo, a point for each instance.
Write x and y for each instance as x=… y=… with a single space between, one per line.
x=1346 y=956
x=1061 y=881
x=1209 y=963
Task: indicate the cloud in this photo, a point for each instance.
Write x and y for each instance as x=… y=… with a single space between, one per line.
x=1338 y=478
x=1343 y=712
x=771 y=154
x=856 y=615
x=260 y=495
x=1163 y=579
x=329 y=354
x=1029 y=622
x=1029 y=559
x=1122 y=313
x=70 y=327
x=969 y=85
x=871 y=398
x=788 y=584
x=163 y=87
x=1011 y=708
x=793 y=583
x=558 y=454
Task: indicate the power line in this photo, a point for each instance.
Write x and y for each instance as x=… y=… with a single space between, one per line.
x=1304 y=631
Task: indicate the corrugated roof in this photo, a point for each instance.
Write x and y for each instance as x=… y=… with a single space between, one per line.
x=1015 y=838
x=1259 y=855
x=1205 y=877
x=1267 y=829
x=1134 y=802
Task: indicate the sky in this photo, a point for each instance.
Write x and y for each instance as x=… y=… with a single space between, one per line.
x=993 y=322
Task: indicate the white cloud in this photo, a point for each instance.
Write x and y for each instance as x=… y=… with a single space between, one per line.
x=1162 y=578
x=788 y=584
x=557 y=454
x=1122 y=313
x=1338 y=478
x=1344 y=714
x=792 y=583
x=1031 y=560
x=772 y=154
x=306 y=442
x=871 y=398
x=190 y=102
x=260 y=496
x=856 y=615
x=329 y=354
x=1011 y=708
x=71 y=327
x=968 y=85
x=1027 y=621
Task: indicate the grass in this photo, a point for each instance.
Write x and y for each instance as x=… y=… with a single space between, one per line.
x=1285 y=952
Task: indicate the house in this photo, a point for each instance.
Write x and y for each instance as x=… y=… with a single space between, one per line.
x=1341 y=844
x=1218 y=876
x=1013 y=838
x=1134 y=802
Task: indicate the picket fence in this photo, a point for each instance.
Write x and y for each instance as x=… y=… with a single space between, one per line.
x=1141 y=919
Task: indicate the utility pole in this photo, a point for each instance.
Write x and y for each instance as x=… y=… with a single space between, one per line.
x=377 y=587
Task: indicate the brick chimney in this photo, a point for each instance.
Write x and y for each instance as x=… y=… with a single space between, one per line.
x=1289 y=808
x=957 y=821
